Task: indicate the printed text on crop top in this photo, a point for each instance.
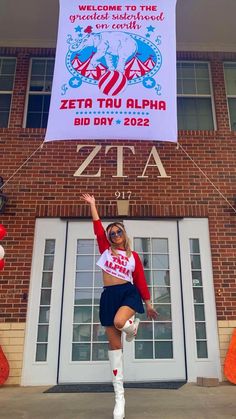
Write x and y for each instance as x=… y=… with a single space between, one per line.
x=129 y=269
x=120 y=266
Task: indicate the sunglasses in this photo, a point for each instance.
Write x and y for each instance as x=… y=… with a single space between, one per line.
x=118 y=233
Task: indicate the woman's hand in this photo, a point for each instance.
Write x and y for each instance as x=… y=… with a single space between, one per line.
x=88 y=198
x=151 y=312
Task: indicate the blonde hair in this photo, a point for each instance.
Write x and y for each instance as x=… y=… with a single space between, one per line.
x=126 y=239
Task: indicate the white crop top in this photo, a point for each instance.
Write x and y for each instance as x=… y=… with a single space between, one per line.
x=119 y=266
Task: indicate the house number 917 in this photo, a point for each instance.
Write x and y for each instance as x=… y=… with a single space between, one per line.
x=123 y=195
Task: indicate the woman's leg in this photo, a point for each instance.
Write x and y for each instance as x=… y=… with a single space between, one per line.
x=124 y=321
x=116 y=361
x=123 y=314
x=114 y=338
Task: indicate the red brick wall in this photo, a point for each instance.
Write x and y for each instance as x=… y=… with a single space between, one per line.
x=46 y=186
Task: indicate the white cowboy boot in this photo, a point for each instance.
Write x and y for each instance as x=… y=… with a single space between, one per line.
x=131 y=328
x=116 y=361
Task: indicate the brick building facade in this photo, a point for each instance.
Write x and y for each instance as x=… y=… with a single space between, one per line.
x=46 y=188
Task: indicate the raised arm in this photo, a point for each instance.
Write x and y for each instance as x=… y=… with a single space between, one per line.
x=99 y=231
x=91 y=201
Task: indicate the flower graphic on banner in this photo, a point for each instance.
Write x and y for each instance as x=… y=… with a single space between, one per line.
x=112 y=60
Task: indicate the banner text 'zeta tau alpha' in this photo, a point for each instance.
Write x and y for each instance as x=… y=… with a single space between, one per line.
x=115 y=71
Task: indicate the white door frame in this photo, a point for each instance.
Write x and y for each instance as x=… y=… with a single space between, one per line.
x=164 y=369
x=45 y=373
x=191 y=228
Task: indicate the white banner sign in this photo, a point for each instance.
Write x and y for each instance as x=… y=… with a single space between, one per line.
x=115 y=71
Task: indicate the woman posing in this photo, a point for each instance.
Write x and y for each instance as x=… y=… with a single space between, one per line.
x=124 y=289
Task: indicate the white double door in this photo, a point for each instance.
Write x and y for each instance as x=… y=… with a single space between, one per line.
x=158 y=351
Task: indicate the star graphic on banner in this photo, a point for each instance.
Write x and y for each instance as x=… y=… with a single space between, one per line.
x=76 y=82
x=148 y=35
x=118 y=121
x=150 y=28
x=149 y=82
x=78 y=29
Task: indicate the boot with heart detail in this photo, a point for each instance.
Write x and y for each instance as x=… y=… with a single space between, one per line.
x=131 y=328
x=116 y=361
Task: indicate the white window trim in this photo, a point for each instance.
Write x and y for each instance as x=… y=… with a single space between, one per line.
x=28 y=93
x=211 y=95
x=11 y=92
x=227 y=95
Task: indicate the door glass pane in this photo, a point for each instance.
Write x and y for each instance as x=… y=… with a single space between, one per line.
x=198 y=295
x=41 y=352
x=85 y=247
x=81 y=333
x=142 y=245
x=99 y=333
x=194 y=246
x=100 y=352
x=199 y=312
x=44 y=314
x=163 y=350
x=161 y=278
x=96 y=314
x=84 y=279
x=143 y=350
x=83 y=296
x=197 y=278
x=81 y=351
x=148 y=276
x=160 y=245
x=45 y=300
x=145 y=331
x=45 y=297
x=84 y=263
x=160 y=262
x=163 y=331
x=42 y=334
x=83 y=314
x=47 y=280
x=164 y=312
x=48 y=263
x=88 y=288
x=161 y=295
x=155 y=257
x=50 y=247
x=195 y=262
x=146 y=261
x=200 y=331
x=97 y=294
x=202 y=349
x=98 y=279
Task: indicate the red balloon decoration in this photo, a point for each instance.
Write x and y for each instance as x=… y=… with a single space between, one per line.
x=4 y=367
x=3 y=231
x=2 y=264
